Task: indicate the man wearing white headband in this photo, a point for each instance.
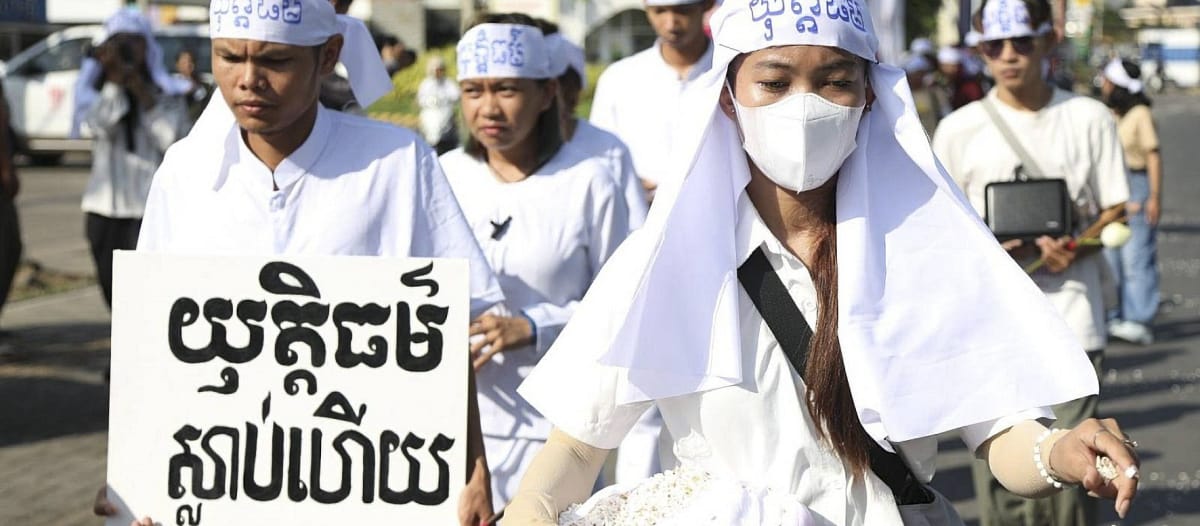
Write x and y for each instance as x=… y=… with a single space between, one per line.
x=637 y=98
x=135 y=111
x=268 y=170
x=1063 y=136
x=803 y=303
x=568 y=65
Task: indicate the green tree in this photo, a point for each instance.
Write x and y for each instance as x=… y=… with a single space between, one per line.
x=920 y=18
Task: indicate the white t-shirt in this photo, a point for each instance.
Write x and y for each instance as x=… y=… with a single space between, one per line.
x=1073 y=138
x=356 y=187
x=121 y=173
x=594 y=142
x=639 y=99
x=546 y=237
x=759 y=432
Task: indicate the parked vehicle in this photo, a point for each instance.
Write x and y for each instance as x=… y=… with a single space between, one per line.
x=1170 y=57
x=39 y=84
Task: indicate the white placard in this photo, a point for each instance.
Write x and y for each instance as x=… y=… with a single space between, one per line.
x=226 y=372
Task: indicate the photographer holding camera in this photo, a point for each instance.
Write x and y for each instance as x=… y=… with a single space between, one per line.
x=135 y=110
x=1064 y=152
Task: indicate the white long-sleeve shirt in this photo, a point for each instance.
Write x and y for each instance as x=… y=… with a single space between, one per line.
x=356 y=187
x=546 y=237
x=639 y=99
x=595 y=142
x=121 y=174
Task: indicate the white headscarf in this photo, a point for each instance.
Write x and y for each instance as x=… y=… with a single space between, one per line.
x=939 y=328
x=125 y=21
x=565 y=55
x=503 y=51
x=1115 y=73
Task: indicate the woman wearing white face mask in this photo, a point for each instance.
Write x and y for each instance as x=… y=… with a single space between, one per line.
x=804 y=304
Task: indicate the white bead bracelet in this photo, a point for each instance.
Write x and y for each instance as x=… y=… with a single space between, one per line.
x=1037 y=460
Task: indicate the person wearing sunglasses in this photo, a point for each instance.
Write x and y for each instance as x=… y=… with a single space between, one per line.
x=1067 y=137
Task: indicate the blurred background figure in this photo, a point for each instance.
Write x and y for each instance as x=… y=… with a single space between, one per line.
x=1135 y=264
x=396 y=56
x=135 y=110
x=958 y=87
x=438 y=97
x=197 y=96
x=568 y=63
x=10 y=228
x=920 y=67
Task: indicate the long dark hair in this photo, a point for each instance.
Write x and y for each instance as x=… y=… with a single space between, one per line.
x=1121 y=100
x=828 y=387
x=547 y=132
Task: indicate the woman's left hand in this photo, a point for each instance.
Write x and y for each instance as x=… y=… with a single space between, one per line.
x=499 y=334
x=1073 y=460
x=1153 y=211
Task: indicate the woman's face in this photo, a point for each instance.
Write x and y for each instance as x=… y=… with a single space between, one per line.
x=502 y=113
x=769 y=75
x=1106 y=87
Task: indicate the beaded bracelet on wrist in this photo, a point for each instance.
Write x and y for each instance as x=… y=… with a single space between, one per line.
x=1037 y=460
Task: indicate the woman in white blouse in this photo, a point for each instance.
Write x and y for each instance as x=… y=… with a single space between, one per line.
x=804 y=308
x=546 y=216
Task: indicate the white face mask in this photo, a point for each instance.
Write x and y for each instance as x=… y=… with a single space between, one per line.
x=800 y=141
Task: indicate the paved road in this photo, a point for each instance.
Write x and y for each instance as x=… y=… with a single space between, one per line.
x=53 y=404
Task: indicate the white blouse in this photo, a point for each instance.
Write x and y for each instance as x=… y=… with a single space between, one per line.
x=356 y=187
x=546 y=237
x=760 y=432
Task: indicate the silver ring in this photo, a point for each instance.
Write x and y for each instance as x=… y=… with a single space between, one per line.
x=1131 y=443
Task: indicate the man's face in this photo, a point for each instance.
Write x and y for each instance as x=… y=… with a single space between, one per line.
x=1016 y=63
x=269 y=86
x=678 y=26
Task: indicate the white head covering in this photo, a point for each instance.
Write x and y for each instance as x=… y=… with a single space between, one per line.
x=565 y=55
x=939 y=328
x=1009 y=19
x=671 y=2
x=125 y=21
x=921 y=46
x=949 y=55
x=501 y=51
x=1115 y=73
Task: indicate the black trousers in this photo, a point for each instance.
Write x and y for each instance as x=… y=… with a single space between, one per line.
x=106 y=234
x=10 y=246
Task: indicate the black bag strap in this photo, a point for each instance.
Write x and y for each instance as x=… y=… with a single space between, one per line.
x=791 y=330
x=1029 y=167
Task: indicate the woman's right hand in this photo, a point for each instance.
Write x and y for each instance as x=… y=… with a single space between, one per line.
x=101 y=506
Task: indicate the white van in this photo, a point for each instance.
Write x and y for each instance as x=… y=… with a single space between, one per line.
x=39 y=84
x=1177 y=49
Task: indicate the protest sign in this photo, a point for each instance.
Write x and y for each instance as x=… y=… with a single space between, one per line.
x=288 y=390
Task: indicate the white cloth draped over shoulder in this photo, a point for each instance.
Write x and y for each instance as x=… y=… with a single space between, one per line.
x=939 y=328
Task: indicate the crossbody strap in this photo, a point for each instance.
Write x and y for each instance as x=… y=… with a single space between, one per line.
x=1030 y=166
x=791 y=330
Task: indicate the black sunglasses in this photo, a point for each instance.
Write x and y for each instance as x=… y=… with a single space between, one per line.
x=993 y=48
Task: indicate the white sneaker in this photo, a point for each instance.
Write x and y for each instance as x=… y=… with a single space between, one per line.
x=1132 y=332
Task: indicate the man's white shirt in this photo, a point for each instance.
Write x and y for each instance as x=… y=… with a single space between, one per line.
x=356 y=187
x=639 y=99
x=1073 y=138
